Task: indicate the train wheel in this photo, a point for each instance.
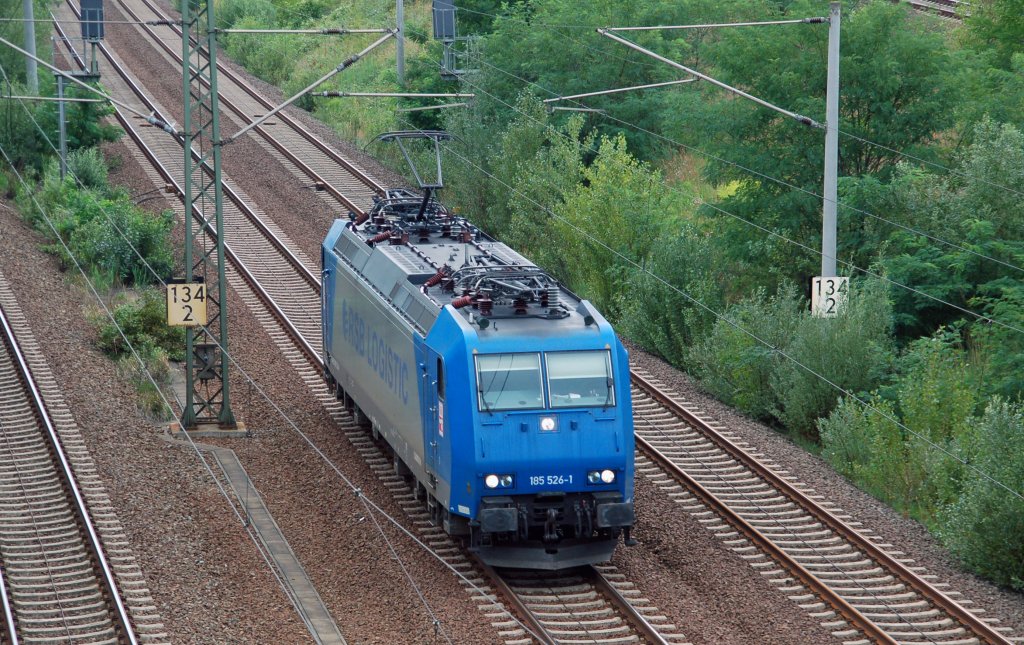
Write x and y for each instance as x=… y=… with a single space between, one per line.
x=362 y=420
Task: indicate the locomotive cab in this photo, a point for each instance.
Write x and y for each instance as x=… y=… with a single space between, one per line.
x=534 y=429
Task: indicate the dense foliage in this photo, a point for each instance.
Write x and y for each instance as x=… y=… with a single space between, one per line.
x=692 y=217
x=94 y=227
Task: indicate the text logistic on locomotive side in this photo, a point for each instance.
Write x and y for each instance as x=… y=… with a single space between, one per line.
x=389 y=366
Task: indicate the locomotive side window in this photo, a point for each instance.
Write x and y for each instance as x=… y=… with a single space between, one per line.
x=580 y=379
x=509 y=382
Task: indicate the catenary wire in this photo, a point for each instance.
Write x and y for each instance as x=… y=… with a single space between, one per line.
x=434 y=620
x=842 y=132
x=912 y=289
x=695 y=301
x=781 y=525
x=757 y=173
x=934 y=164
x=141 y=362
x=976 y=315
x=153 y=272
x=368 y=503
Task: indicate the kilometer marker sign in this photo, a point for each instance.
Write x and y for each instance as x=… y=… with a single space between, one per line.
x=186 y=304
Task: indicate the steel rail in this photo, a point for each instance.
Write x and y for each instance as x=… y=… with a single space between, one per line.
x=5 y=601
x=639 y=623
x=287 y=120
x=808 y=579
x=851 y=613
x=532 y=623
x=238 y=264
x=512 y=598
x=943 y=8
x=121 y=619
x=955 y=610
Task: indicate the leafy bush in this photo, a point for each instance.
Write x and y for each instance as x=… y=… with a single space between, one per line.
x=909 y=463
x=852 y=351
x=659 y=317
x=104 y=231
x=738 y=368
x=985 y=526
x=150 y=381
x=88 y=167
x=863 y=442
x=144 y=323
x=999 y=347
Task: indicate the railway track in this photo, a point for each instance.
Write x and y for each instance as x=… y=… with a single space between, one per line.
x=289 y=141
x=585 y=605
x=278 y=285
x=954 y=9
x=813 y=552
x=850 y=582
x=66 y=571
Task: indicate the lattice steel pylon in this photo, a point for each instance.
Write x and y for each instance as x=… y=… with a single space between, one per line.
x=206 y=347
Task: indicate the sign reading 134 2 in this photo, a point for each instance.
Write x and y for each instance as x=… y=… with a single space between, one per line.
x=186 y=304
x=828 y=296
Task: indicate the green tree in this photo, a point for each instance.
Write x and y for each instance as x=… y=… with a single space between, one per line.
x=977 y=208
x=612 y=220
x=997 y=25
x=852 y=351
x=985 y=525
x=553 y=43
x=896 y=91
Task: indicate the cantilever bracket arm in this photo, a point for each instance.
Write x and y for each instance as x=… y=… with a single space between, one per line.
x=806 y=120
x=170 y=128
x=345 y=64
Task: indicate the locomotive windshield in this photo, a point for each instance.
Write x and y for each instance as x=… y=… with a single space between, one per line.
x=580 y=379
x=509 y=382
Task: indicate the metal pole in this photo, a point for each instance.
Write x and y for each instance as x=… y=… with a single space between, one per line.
x=831 y=192
x=400 y=45
x=188 y=414
x=31 y=74
x=226 y=416
x=61 y=128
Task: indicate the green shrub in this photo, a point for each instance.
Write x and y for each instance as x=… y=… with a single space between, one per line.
x=149 y=379
x=127 y=241
x=144 y=323
x=985 y=526
x=658 y=317
x=1001 y=349
x=863 y=442
x=104 y=231
x=738 y=368
x=909 y=464
x=853 y=351
x=88 y=167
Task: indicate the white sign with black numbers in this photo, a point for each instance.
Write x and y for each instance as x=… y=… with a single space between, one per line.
x=186 y=304
x=828 y=296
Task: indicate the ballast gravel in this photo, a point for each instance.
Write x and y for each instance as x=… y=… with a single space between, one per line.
x=204 y=574
x=208 y=579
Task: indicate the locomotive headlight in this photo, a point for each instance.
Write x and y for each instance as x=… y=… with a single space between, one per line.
x=607 y=476
x=594 y=477
x=548 y=424
x=505 y=481
x=491 y=481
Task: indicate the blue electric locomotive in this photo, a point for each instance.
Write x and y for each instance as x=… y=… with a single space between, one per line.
x=502 y=395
